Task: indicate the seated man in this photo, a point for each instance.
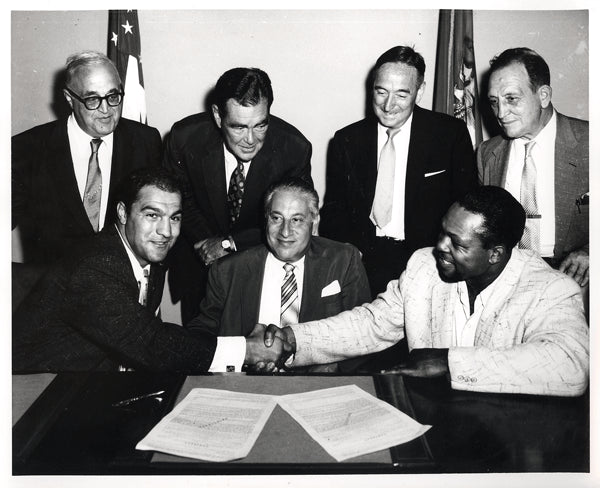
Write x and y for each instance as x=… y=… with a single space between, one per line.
x=295 y=276
x=97 y=309
x=492 y=317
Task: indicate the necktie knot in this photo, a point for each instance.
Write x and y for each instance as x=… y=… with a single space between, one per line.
x=95 y=143
x=289 y=268
x=528 y=149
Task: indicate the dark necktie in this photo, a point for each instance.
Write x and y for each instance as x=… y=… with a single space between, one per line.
x=531 y=234
x=289 y=297
x=235 y=194
x=93 y=187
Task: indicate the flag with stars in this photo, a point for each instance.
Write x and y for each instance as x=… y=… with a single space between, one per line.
x=124 y=49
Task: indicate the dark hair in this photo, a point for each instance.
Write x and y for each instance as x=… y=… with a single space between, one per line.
x=247 y=86
x=534 y=64
x=401 y=54
x=85 y=59
x=503 y=216
x=297 y=185
x=158 y=177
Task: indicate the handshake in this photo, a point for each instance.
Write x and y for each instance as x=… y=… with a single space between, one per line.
x=269 y=347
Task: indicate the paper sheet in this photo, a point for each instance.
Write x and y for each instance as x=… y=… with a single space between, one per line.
x=213 y=425
x=347 y=421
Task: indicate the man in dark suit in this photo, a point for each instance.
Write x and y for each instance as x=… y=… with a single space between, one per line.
x=63 y=184
x=521 y=98
x=97 y=309
x=225 y=161
x=392 y=176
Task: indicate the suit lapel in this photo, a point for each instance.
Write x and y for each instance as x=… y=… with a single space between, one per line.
x=566 y=176
x=63 y=174
x=368 y=153
x=418 y=148
x=442 y=314
x=249 y=305
x=499 y=166
x=212 y=167
x=313 y=279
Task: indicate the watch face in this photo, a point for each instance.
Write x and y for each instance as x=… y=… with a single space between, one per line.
x=225 y=244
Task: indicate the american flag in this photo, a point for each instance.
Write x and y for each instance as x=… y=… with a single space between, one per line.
x=124 y=49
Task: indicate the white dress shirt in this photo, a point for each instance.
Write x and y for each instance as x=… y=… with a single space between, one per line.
x=542 y=154
x=230 y=352
x=230 y=165
x=81 y=150
x=270 y=297
x=395 y=227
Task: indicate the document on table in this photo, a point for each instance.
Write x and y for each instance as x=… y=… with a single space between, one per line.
x=213 y=425
x=347 y=421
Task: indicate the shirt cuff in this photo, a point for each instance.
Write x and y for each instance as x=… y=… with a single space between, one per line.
x=229 y=355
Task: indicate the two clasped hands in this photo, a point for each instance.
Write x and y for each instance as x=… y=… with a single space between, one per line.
x=268 y=348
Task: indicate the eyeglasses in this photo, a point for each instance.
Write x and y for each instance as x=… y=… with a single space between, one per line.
x=92 y=103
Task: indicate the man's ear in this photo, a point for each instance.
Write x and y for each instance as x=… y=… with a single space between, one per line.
x=68 y=98
x=315 y=226
x=497 y=254
x=122 y=213
x=545 y=94
x=420 y=92
x=216 y=115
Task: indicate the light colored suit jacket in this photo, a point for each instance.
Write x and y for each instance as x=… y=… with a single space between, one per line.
x=532 y=336
x=571 y=179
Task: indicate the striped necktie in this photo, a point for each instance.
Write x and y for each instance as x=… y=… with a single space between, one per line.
x=289 y=297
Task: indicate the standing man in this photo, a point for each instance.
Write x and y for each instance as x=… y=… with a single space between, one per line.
x=225 y=160
x=64 y=173
x=392 y=176
x=97 y=309
x=542 y=158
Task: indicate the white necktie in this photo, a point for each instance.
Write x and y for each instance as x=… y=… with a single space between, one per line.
x=381 y=211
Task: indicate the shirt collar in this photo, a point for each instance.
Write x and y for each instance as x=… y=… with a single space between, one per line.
x=82 y=137
x=546 y=135
x=138 y=269
x=487 y=292
x=298 y=265
x=405 y=129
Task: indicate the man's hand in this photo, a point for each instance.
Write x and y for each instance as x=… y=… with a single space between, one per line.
x=424 y=363
x=262 y=357
x=210 y=249
x=577 y=266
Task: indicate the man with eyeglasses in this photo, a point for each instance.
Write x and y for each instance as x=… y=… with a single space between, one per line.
x=225 y=160
x=64 y=173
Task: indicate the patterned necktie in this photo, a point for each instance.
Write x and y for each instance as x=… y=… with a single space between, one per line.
x=143 y=297
x=93 y=187
x=289 y=297
x=531 y=235
x=381 y=211
x=237 y=182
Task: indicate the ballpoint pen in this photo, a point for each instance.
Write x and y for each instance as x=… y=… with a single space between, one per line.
x=129 y=401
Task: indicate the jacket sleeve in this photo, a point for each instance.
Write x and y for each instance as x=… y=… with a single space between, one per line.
x=355 y=286
x=553 y=358
x=101 y=303
x=212 y=305
x=195 y=227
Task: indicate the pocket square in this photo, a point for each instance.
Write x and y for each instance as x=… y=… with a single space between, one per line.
x=427 y=175
x=331 y=289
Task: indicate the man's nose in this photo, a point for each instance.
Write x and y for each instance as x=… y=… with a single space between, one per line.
x=442 y=243
x=389 y=103
x=164 y=227
x=250 y=137
x=501 y=110
x=103 y=106
x=285 y=228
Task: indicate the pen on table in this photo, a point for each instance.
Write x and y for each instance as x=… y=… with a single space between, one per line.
x=137 y=398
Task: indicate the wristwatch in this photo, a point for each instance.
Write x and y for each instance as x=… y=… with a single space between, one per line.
x=226 y=245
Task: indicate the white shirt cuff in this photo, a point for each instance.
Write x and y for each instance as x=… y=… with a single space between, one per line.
x=229 y=355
